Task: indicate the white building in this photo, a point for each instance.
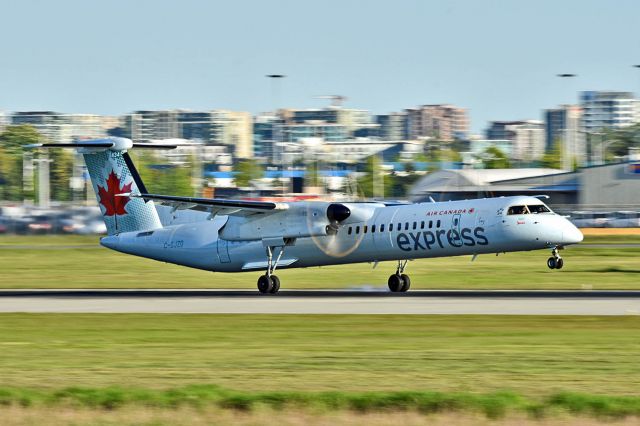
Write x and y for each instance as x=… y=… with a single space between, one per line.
x=608 y=109
x=63 y=128
x=527 y=137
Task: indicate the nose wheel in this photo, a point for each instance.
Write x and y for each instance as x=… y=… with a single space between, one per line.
x=399 y=282
x=555 y=261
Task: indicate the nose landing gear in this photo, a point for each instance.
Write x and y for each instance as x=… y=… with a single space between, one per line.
x=399 y=282
x=555 y=261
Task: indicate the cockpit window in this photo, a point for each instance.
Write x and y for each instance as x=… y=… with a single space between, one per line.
x=538 y=208
x=518 y=210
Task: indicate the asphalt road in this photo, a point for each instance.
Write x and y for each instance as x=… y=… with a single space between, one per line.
x=363 y=301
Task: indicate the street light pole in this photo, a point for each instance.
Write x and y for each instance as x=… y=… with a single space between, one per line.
x=636 y=66
x=566 y=151
x=275 y=100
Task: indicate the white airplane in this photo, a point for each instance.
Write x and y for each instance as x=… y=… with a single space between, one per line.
x=238 y=235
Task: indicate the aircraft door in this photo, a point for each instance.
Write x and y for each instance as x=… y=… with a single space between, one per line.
x=455 y=223
x=223 y=251
x=482 y=218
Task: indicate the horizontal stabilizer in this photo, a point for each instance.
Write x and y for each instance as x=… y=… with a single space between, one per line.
x=111 y=143
x=87 y=144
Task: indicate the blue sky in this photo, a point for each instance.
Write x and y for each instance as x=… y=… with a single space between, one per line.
x=497 y=58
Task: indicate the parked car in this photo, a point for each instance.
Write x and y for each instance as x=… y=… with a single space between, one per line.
x=42 y=224
x=625 y=219
x=587 y=219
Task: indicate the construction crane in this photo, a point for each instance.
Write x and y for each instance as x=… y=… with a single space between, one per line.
x=336 y=100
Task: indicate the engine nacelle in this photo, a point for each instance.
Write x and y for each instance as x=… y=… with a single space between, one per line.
x=301 y=219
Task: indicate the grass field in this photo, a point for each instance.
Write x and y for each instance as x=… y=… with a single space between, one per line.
x=306 y=365
x=530 y=355
x=50 y=262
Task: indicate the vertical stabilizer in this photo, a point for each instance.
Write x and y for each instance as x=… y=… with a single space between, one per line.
x=112 y=173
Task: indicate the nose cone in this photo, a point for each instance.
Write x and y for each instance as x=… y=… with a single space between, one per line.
x=571 y=234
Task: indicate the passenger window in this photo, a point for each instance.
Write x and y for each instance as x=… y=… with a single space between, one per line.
x=438 y=224
x=357 y=229
x=373 y=229
x=391 y=227
x=382 y=227
x=349 y=231
x=415 y=225
x=422 y=225
x=517 y=210
x=406 y=226
x=430 y=224
x=538 y=208
x=364 y=230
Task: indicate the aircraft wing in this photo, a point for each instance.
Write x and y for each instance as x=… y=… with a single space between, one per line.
x=213 y=205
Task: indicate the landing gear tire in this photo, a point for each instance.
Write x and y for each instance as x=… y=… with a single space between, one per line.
x=399 y=283
x=265 y=284
x=395 y=283
x=276 y=284
x=555 y=263
x=406 y=282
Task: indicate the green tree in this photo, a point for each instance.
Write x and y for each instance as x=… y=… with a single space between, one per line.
x=373 y=176
x=12 y=141
x=7 y=166
x=60 y=172
x=437 y=153
x=312 y=175
x=162 y=177
x=247 y=170
x=553 y=157
x=618 y=141
x=494 y=158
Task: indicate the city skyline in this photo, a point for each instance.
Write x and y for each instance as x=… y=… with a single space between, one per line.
x=497 y=59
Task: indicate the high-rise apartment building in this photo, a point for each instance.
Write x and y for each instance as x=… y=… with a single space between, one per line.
x=233 y=129
x=63 y=128
x=562 y=125
x=153 y=125
x=393 y=126
x=351 y=120
x=443 y=122
x=217 y=127
x=608 y=109
x=527 y=137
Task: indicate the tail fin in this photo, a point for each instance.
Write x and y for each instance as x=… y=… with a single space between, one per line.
x=112 y=173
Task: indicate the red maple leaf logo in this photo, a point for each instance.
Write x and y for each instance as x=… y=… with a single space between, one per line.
x=112 y=204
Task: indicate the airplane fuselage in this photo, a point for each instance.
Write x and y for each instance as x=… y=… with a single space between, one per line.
x=396 y=232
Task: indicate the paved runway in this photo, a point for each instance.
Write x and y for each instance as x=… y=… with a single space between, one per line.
x=366 y=301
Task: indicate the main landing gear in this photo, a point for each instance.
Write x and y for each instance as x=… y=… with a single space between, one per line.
x=400 y=282
x=555 y=261
x=269 y=283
